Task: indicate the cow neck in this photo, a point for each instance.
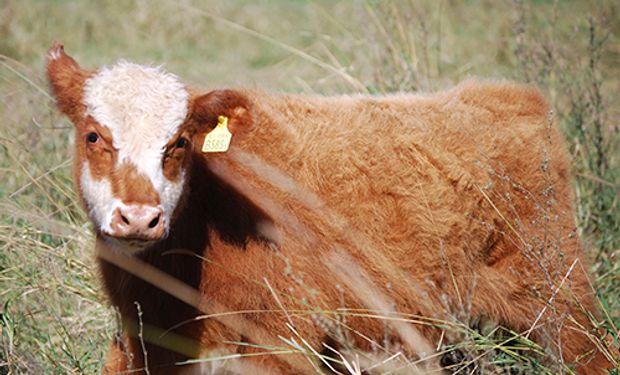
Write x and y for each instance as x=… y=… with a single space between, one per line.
x=226 y=212
x=211 y=206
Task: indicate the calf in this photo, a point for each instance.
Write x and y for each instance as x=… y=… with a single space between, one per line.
x=276 y=227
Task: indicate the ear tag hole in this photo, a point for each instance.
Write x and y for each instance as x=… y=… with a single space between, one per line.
x=218 y=139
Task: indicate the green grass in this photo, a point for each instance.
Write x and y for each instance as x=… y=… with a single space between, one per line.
x=53 y=317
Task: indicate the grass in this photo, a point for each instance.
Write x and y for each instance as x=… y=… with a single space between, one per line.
x=53 y=317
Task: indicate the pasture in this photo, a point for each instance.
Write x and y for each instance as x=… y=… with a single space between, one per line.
x=53 y=314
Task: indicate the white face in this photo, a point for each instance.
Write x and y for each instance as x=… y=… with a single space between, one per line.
x=141 y=109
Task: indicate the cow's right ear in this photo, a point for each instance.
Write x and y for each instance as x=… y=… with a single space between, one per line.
x=234 y=104
x=67 y=82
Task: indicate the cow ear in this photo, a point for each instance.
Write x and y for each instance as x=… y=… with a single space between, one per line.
x=67 y=82
x=233 y=104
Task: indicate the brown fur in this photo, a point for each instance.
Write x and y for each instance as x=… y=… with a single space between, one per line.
x=175 y=157
x=131 y=187
x=101 y=155
x=67 y=83
x=454 y=202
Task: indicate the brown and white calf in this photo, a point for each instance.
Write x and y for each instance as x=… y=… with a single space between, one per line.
x=343 y=221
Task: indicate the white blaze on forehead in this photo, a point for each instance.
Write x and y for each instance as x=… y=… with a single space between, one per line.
x=143 y=107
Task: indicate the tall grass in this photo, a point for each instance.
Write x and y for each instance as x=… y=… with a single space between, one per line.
x=53 y=316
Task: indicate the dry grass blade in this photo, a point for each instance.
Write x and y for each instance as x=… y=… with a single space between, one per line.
x=551 y=299
x=345 y=268
x=357 y=85
x=41 y=90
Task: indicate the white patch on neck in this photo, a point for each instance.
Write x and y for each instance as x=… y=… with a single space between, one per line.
x=98 y=195
x=143 y=107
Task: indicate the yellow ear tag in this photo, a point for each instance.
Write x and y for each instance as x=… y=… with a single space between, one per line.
x=219 y=138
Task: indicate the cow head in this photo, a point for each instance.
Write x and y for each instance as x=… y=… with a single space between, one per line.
x=134 y=127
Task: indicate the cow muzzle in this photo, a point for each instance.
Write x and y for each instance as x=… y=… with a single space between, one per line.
x=139 y=222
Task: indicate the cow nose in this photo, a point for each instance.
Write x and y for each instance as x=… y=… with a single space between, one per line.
x=138 y=221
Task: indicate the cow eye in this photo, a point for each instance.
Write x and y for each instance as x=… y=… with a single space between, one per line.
x=182 y=142
x=92 y=137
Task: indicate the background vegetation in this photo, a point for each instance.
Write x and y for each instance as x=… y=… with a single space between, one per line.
x=53 y=316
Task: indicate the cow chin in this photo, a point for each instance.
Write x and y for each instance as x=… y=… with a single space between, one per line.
x=129 y=246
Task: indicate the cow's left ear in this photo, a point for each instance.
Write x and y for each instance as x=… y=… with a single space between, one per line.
x=206 y=109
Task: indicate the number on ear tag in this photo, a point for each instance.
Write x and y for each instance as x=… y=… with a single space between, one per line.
x=218 y=139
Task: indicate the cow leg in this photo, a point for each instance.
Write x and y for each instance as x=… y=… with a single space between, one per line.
x=562 y=323
x=118 y=358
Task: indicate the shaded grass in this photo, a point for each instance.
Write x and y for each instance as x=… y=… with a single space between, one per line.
x=53 y=316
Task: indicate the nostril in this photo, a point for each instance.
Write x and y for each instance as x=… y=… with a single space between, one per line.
x=138 y=221
x=154 y=222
